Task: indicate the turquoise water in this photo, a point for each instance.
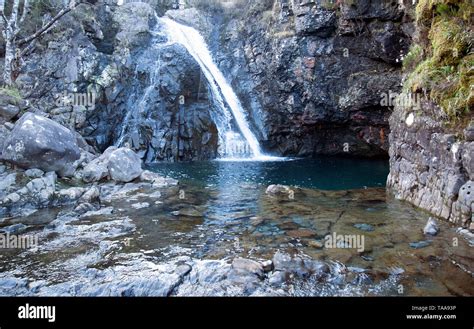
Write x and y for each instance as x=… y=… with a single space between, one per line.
x=326 y=173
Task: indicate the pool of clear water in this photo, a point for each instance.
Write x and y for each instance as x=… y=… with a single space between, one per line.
x=325 y=173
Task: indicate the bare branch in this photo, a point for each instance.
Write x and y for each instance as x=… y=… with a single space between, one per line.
x=14 y=14
x=5 y=21
x=46 y=27
x=26 y=9
x=28 y=49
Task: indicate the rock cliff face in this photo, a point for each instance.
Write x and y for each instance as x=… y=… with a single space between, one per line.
x=432 y=139
x=138 y=90
x=432 y=166
x=313 y=75
x=310 y=76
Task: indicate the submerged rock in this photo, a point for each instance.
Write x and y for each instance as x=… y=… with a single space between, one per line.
x=364 y=227
x=38 y=142
x=420 y=244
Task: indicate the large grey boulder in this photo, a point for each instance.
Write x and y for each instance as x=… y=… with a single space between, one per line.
x=97 y=169
x=124 y=165
x=38 y=142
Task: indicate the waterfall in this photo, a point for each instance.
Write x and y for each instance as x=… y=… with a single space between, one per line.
x=233 y=143
x=138 y=103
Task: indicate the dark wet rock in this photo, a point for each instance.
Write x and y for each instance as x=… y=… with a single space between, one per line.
x=9 y=107
x=313 y=20
x=38 y=142
x=469 y=133
x=364 y=227
x=420 y=244
x=431 y=227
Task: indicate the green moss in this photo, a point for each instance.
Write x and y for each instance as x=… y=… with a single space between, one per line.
x=12 y=92
x=444 y=70
x=413 y=57
x=449 y=40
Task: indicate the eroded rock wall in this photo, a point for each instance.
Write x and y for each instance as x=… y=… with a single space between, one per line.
x=432 y=166
x=312 y=75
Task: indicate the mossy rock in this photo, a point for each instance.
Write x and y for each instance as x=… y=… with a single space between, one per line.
x=441 y=66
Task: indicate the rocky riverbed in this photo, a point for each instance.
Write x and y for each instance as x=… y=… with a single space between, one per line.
x=146 y=240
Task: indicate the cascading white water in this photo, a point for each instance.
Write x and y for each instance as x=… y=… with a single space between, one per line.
x=132 y=118
x=234 y=145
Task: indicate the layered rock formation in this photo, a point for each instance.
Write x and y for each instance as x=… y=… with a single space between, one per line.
x=431 y=166
x=313 y=75
x=432 y=140
x=108 y=73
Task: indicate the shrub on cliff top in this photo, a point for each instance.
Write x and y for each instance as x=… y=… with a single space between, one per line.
x=443 y=65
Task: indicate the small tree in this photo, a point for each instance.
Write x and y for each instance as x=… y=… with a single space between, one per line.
x=15 y=48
